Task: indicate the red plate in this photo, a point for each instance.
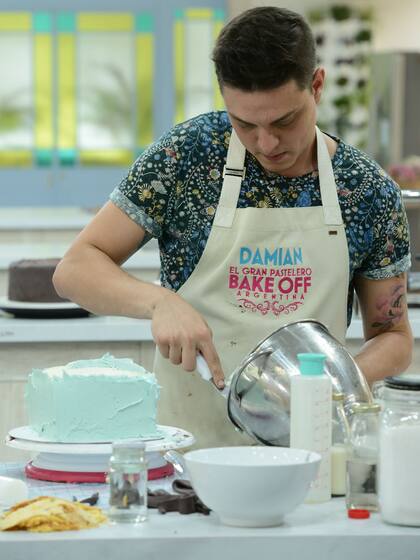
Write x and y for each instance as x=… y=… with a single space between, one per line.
x=76 y=477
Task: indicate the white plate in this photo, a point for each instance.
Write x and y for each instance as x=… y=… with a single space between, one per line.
x=38 y=310
x=173 y=438
x=29 y=434
x=6 y=303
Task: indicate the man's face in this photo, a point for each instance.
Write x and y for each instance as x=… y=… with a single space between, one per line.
x=277 y=126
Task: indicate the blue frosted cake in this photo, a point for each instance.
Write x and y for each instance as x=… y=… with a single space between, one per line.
x=92 y=401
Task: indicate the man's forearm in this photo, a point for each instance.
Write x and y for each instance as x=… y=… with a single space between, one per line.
x=97 y=284
x=387 y=354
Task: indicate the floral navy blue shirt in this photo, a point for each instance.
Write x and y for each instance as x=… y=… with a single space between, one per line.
x=173 y=188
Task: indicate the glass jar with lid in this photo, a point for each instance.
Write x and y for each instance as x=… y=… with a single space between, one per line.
x=399 y=450
x=127 y=479
x=362 y=457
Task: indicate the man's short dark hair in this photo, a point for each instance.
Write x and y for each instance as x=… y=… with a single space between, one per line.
x=264 y=48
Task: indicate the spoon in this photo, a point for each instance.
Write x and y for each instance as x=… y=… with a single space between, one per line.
x=178 y=462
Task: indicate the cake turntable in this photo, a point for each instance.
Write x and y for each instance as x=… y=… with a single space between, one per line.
x=88 y=462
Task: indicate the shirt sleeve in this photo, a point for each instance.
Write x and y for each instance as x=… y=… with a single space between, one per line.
x=144 y=192
x=389 y=253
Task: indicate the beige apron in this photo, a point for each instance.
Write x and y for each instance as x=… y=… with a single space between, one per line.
x=261 y=268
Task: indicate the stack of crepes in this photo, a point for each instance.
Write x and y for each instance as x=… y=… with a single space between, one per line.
x=45 y=514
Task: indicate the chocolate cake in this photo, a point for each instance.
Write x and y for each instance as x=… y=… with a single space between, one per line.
x=30 y=280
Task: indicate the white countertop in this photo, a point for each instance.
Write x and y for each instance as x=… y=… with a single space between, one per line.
x=85 y=329
x=320 y=532
x=42 y=218
x=145 y=258
x=311 y=532
x=93 y=328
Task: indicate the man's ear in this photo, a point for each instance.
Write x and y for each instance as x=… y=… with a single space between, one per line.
x=318 y=83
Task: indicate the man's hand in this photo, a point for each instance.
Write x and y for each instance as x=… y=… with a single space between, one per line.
x=180 y=333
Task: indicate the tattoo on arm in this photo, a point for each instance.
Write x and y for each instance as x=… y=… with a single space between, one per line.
x=390 y=309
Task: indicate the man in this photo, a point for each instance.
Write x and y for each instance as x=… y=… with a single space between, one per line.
x=283 y=226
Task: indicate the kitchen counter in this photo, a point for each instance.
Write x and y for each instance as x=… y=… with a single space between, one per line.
x=85 y=329
x=311 y=532
x=144 y=259
x=41 y=218
x=144 y=264
x=95 y=328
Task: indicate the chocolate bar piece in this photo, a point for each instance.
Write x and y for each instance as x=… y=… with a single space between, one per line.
x=185 y=500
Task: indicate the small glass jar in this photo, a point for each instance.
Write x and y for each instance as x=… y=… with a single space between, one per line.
x=128 y=482
x=339 y=443
x=362 y=457
x=399 y=450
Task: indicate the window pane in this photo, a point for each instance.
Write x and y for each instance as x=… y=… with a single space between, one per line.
x=16 y=99
x=105 y=75
x=199 y=87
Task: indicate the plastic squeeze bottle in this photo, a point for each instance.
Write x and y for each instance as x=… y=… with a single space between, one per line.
x=310 y=419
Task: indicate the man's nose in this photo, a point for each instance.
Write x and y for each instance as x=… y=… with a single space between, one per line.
x=267 y=142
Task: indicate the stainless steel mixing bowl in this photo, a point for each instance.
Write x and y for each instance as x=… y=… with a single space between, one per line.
x=259 y=395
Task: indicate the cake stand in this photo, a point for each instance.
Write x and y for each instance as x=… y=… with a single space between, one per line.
x=88 y=462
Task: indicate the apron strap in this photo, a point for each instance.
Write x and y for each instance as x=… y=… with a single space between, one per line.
x=329 y=197
x=234 y=173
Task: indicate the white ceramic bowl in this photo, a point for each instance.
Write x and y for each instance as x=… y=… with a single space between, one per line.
x=252 y=486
